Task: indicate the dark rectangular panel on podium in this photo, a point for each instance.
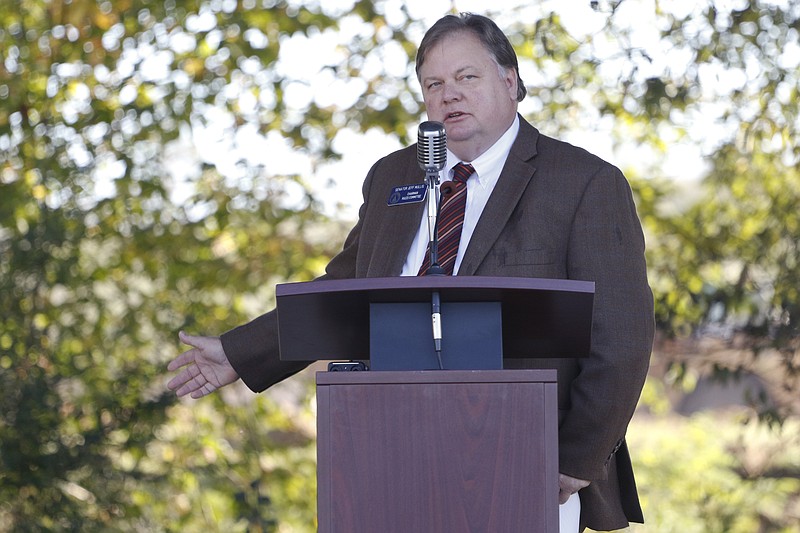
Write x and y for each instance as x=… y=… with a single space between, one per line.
x=330 y=319
x=437 y=451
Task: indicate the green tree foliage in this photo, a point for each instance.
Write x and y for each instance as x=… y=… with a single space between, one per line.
x=115 y=234
x=721 y=78
x=716 y=477
x=105 y=253
x=730 y=262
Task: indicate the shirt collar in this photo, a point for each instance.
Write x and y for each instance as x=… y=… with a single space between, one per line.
x=488 y=160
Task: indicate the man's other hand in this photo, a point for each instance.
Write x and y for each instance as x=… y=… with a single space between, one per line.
x=567 y=486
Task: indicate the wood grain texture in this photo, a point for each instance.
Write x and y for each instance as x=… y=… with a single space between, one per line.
x=472 y=451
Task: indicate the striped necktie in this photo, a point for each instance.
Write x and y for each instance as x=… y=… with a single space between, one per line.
x=450 y=220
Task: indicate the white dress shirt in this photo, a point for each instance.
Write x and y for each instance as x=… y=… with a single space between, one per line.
x=488 y=167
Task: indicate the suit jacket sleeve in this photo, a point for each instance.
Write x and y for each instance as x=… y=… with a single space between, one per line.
x=252 y=348
x=606 y=245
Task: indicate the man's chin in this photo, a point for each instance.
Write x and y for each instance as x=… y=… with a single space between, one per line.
x=457 y=132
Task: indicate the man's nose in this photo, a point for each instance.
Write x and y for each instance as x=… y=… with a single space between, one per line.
x=450 y=93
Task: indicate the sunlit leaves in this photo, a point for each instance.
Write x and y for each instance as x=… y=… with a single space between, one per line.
x=100 y=267
x=121 y=222
x=724 y=259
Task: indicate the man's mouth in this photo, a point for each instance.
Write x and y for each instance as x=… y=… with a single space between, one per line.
x=456 y=114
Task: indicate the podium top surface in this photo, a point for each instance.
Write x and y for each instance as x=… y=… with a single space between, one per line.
x=418 y=288
x=390 y=377
x=330 y=319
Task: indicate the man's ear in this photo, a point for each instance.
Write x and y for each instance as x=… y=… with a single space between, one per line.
x=511 y=79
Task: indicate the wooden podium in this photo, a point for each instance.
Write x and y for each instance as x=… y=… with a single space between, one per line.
x=436 y=450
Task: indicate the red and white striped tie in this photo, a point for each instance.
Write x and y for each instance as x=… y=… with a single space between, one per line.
x=450 y=220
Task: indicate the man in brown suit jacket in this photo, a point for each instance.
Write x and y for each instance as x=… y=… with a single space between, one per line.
x=555 y=211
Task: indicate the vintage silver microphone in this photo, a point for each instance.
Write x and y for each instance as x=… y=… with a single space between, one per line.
x=432 y=158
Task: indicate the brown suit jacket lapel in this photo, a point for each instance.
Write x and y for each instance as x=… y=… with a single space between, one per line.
x=398 y=226
x=513 y=180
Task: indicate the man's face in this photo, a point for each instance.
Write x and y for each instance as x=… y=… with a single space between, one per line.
x=464 y=88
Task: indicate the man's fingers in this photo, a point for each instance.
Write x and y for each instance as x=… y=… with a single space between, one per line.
x=183 y=379
x=176 y=382
x=191 y=386
x=571 y=484
x=567 y=486
x=191 y=340
x=205 y=390
x=183 y=359
x=203 y=368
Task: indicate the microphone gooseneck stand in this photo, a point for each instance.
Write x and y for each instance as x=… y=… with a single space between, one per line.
x=432 y=178
x=432 y=158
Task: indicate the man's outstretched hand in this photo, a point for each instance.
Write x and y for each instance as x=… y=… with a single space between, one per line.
x=205 y=367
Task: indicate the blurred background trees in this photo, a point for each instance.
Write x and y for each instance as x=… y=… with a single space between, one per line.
x=164 y=164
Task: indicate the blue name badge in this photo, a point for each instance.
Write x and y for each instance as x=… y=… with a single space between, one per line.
x=408 y=194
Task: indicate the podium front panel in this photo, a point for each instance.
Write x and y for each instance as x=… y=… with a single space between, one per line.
x=401 y=336
x=437 y=451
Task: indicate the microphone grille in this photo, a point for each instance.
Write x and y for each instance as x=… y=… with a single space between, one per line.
x=431 y=145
